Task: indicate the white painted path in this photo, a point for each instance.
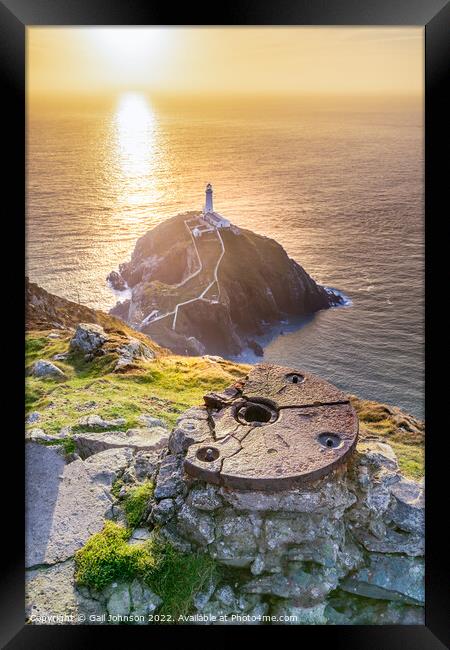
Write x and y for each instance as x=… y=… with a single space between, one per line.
x=148 y=319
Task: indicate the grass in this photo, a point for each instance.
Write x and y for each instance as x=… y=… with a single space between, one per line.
x=135 y=503
x=163 y=388
x=175 y=577
x=404 y=433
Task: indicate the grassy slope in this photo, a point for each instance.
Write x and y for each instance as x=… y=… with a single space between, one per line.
x=168 y=386
x=164 y=388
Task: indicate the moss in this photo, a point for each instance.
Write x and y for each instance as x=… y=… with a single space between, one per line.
x=136 y=502
x=107 y=556
x=116 y=487
x=174 y=576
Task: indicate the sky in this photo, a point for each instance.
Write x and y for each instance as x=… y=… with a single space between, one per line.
x=235 y=60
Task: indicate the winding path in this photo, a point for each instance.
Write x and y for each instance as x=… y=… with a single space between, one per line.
x=149 y=320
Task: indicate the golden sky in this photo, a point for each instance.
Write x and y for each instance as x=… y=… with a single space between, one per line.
x=215 y=60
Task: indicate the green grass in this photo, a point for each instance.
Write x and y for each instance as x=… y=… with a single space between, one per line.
x=136 y=501
x=405 y=434
x=163 y=388
x=175 y=577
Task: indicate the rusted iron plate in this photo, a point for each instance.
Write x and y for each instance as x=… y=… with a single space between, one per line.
x=290 y=387
x=256 y=442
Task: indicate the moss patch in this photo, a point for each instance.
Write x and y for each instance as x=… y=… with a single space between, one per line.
x=136 y=501
x=175 y=577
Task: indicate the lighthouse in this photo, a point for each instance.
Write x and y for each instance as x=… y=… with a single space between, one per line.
x=209 y=199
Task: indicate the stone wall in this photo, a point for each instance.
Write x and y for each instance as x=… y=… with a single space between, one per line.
x=345 y=548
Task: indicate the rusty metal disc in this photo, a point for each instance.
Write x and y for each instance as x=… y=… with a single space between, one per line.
x=283 y=427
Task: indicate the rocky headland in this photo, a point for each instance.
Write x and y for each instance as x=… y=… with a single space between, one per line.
x=212 y=292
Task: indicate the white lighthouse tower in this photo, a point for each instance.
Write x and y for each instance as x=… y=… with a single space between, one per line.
x=209 y=199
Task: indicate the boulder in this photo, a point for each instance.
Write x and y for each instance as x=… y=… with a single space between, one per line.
x=389 y=577
x=149 y=421
x=46 y=369
x=51 y=597
x=130 y=352
x=92 y=443
x=119 y=602
x=97 y=422
x=66 y=504
x=88 y=338
x=33 y=417
x=408 y=508
x=169 y=482
x=195 y=526
x=116 y=281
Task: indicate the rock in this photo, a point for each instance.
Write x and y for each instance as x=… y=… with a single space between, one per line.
x=66 y=504
x=259 y=286
x=97 y=422
x=389 y=577
x=236 y=541
x=54 y=335
x=195 y=526
x=169 y=481
x=289 y=613
x=132 y=351
x=143 y=600
x=378 y=454
x=116 y=281
x=149 y=421
x=46 y=369
x=146 y=463
x=205 y=498
x=187 y=431
x=408 y=510
x=225 y=595
x=51 y=597
x=307 y=587
x=61 y=356
x=256 y=347
x=140 y=535
x=33 y=417
x=326 y=495
x=119 y=603
x=392 y=542
x=39 y=435
x=163 y=511
x=92 y=443
x=88 y=338
x=355 y=610
x=203 y=597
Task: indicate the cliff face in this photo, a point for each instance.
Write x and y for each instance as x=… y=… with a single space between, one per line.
x=45 y=311
x=233 y=286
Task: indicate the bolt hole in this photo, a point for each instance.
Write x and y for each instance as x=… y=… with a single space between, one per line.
x=330 y=440
x=207 y=454
x=295 y=378
x=257 y=413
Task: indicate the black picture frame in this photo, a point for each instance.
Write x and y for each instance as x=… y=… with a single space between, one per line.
x=15 y=16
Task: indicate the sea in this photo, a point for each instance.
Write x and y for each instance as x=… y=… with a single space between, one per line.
x=338 y=183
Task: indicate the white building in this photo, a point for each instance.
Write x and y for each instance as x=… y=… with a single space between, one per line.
x=214 y=218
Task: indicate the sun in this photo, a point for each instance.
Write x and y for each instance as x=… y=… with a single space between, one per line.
x=127 y=49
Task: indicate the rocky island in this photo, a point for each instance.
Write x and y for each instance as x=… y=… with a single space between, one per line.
x=201 y=285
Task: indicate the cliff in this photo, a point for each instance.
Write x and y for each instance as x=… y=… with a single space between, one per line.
x=212 y=293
